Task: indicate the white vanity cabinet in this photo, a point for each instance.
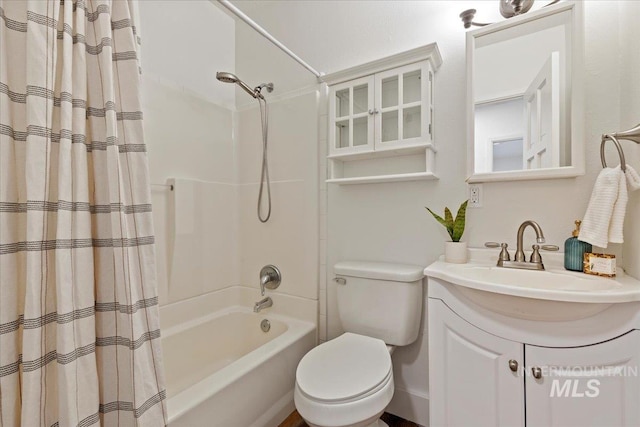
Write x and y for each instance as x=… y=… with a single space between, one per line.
x=491 y=369
x=383 y=110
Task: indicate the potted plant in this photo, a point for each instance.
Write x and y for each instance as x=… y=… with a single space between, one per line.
x=455 y=251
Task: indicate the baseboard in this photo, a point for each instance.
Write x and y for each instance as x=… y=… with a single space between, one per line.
x=410 y=406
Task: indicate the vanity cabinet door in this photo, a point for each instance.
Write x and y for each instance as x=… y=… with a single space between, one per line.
x=474 y=376
x=597 y=385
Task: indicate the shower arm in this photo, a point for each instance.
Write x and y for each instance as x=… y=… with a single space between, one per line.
x=268 y=86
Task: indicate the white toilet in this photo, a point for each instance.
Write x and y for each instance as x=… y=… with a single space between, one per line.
x=348 y=381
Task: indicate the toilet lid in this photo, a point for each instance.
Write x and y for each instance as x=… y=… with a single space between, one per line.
x=344 y=368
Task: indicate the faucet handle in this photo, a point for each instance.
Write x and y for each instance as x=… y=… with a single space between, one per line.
x=535 y=255
x=551 y=248
x=504 y=253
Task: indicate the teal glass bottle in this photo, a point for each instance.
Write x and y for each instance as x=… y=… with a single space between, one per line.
x=574 y=250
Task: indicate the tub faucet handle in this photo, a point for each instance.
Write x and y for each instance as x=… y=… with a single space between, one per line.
x=270 y=278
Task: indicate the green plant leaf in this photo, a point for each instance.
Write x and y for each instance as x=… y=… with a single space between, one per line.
x=437 y=217
x=449 y=218
x=459 y=223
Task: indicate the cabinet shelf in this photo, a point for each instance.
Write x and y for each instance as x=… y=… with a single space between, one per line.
x=383 y=152
x=416 y=176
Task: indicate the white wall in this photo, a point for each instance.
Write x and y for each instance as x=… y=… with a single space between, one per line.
x=189 y=134
x=630 y=116
x=387 y=222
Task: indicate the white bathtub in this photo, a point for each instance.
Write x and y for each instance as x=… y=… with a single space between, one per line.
x=223 y=370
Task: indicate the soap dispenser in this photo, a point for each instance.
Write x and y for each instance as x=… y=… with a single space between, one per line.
x=574 y=250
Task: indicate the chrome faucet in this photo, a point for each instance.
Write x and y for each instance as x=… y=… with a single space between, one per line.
x=262 y=304
x=520 y=261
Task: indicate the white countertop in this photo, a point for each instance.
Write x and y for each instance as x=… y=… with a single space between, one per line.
x=555 y=283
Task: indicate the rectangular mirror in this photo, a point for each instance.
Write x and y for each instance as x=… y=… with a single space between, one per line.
x=524 y=97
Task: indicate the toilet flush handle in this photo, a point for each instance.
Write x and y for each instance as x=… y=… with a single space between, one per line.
x=340 y=280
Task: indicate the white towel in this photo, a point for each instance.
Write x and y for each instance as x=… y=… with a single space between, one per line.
x=604 y=219
x=633 y=179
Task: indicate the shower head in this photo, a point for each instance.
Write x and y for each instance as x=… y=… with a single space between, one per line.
x=232 y=78
x=226 y=77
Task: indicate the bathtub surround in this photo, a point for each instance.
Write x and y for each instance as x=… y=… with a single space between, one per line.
x=202 y=251
x=211 y=245
x=79 y=324
x=290 y=238
x=197 y=133
x=189 y=125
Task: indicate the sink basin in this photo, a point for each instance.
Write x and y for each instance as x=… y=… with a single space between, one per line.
x=552 y=295
x=549 y=279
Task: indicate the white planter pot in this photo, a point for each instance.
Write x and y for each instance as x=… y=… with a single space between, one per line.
x=455 y=252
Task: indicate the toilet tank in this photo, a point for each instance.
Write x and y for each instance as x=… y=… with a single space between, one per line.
x=380 y=300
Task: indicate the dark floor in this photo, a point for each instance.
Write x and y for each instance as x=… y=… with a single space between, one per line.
x=295 y=420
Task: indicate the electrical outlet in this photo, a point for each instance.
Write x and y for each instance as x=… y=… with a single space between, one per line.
x=475 y=195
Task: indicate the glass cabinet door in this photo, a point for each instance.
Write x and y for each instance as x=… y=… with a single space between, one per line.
x=351 y=116
x=402 y=98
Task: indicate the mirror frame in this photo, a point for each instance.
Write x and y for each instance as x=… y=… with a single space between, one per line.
x=577 y=167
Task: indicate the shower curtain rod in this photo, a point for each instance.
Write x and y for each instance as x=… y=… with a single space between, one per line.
x=237 y=12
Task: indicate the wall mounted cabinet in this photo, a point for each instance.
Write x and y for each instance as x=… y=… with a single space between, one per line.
x=381 y=119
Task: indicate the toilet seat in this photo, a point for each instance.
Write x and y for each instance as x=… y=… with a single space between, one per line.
x=347 y=381
x=345 y=369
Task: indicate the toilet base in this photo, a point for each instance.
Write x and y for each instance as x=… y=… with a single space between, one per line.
x=376 y=423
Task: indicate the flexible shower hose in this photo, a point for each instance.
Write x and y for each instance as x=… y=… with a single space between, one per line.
x=264 y=175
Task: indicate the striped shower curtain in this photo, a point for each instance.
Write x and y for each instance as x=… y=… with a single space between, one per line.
x=79 y=327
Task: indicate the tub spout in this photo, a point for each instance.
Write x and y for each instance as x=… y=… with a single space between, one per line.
x=263 y=303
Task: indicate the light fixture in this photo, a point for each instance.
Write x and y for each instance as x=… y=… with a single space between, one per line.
x=508 y=9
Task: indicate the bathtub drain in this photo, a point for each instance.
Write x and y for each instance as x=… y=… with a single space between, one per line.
x=265 y=325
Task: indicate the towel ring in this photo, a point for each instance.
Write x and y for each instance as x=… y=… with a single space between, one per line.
x=605 y=138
